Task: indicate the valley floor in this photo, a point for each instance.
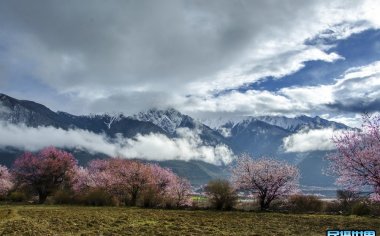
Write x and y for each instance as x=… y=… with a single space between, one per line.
x=74 y=220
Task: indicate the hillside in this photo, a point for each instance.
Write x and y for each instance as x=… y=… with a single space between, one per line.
x=258 y=136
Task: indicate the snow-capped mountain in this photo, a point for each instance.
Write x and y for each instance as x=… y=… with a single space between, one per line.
x=168 y=120
x=291 y=124
x=33 y=115
x=255 y=135
x=301 y=122
x=218 y=122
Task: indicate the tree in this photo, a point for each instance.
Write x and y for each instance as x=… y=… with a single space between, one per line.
x=156 y=192
x=137 y=177
x=82 y=180
x=112 y=175
x=179 y=192
x=347 y=198
x=130 y=181
x=357 y=159
x=5 y=180
x=268 y=178
x=124 y=179
x=44 y=172
x=221 y=194
x=166 y=188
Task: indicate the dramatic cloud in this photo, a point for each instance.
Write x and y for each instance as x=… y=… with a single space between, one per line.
x=251 y=102
x=354 y=121
x=188 y=147
x=310 y=140
x=34 y=139
x=150 y=147
x=355 y=91
x=102 y=55
x=359 y=89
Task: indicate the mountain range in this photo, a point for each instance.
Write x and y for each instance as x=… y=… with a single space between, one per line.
x=257 y=136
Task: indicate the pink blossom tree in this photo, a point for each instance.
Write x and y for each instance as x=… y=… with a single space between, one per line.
x=174 y=191
x=129 y=180
x=124 y=179
x=161 y=178
x=44 y=172
x=179 y=192
x=156 y=191
x=357 y=159
x=5 y=180
x=83 y=180
x=268 y=178
x=138 y=177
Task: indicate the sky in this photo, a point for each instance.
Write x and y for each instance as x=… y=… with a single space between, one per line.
x=208 y=59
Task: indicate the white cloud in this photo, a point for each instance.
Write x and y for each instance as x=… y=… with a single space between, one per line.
x=356 y=91
x=188 y=147
x=353 y=121
x=4 y=109
x=132 y=54
x=150 y=147
x=34 y=139
x=310 y=140
x=361 y=72
x=251 y=102
x=281 y=61
x=226 y=132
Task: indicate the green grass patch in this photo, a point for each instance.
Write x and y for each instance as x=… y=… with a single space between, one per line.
x=74 y=220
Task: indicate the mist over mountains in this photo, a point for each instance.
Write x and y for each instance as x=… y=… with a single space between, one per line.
x=198 y=150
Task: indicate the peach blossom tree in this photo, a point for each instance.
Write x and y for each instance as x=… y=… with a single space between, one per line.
x=174 y=190
x=179 y=192
x=130 y=181
x=6 y=182
x=44 y=172
x=356 y=162
x=267 y=178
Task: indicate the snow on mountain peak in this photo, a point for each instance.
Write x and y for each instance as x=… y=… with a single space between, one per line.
x=169 y=119
x=288 y=123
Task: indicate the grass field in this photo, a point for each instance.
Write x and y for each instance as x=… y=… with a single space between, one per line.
x=73 y=220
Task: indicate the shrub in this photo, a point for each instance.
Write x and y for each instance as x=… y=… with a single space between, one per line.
x=279 y=205
x=360 y=209
x=97 y=197
x=375 y=208
x=18 y=197
x=347 y=198
x=221 y=194
x=333 y=207
x=305 y=203
x=63 y=197
x=151 y=198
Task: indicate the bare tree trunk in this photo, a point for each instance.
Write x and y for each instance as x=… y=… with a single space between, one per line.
x=42 y=195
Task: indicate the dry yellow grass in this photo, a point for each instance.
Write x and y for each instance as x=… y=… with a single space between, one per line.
x=74 y=220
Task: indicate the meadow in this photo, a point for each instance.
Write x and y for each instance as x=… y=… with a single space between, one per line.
x=84 y=220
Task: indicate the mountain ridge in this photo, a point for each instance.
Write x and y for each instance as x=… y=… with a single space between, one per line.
x=257 y=136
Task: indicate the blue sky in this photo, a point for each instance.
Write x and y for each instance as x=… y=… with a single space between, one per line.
x=207 y=59
x=358 y=50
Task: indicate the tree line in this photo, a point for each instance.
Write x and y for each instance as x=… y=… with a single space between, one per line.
x=125 y=181
x=356 y=163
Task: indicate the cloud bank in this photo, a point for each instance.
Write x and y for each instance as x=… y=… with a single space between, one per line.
x=310 y=140
x=129 y=55
x=357 y=90
x=149 y=147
